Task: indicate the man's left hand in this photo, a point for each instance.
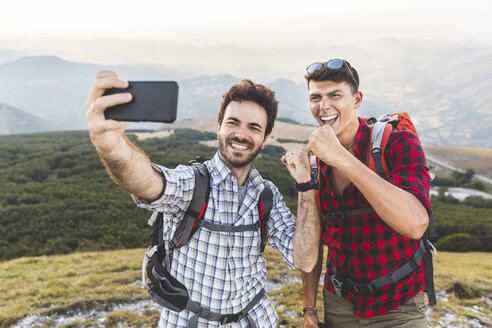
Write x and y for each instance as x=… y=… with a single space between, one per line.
x=297 y=163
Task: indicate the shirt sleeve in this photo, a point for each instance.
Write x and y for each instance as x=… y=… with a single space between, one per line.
x=407 y=164
x=178 y=192
x=281 y=227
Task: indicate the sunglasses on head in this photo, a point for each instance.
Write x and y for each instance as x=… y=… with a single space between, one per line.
x=333 y=64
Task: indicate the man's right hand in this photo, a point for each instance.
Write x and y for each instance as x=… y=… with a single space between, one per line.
x=105 y=134
x=311 y=320
x=127 y=165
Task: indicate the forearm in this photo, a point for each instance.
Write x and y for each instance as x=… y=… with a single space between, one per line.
x=310 y=281
x=127 y=165
x=398 y=208
x=131 y=169
x=307 y=234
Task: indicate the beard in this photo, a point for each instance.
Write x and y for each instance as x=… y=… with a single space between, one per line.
x=236 y=160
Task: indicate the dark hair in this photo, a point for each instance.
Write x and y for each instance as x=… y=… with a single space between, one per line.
x=257 y=93
x=336 y=75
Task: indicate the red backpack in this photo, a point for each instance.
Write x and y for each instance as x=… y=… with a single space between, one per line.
x=381 y=129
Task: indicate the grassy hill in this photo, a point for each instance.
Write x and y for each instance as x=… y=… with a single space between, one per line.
x=284 y=134
x=477 y=158
x=463 y=157
x=94 y=281
x=56 y=198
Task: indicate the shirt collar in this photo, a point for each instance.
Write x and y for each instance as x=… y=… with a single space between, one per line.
x=361 y=140
x=220 y=172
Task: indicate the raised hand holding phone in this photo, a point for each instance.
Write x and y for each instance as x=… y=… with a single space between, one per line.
x=105 y=133
x=125 y=163
x=152 y=101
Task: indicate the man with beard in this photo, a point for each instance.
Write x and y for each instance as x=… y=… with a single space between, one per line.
x=224 y=272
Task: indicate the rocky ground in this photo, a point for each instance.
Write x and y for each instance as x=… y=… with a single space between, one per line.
x=99 y=317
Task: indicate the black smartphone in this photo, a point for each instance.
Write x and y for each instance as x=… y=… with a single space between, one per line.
x=153 y=101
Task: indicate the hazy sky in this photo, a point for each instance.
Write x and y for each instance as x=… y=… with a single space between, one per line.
x=250 y=21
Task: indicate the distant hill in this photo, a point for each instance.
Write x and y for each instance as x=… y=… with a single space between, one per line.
x=56 y=89
x=14 y=120
x=444 y=86
x=8 y=55
x=288 y=135
x=461 y=157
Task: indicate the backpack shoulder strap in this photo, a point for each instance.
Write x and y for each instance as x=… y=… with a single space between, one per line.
x=379 y=135
x=429 y=269
x=156 y=223
x=196 y=210
x=265 y=205
x=315 y=174
x=380 y=131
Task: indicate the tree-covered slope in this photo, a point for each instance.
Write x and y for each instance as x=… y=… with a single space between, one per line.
x=56 y=197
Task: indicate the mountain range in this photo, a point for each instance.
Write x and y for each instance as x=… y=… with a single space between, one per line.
x=445 y=87
x=15 y=120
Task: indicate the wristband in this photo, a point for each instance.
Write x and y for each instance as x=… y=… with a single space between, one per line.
x=309 y=308
x=305 y=186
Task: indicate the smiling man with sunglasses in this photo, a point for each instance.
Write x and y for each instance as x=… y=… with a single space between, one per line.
x=371 y=226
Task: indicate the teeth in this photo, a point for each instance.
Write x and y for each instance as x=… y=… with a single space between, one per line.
x=328 y=118
x=240 y=147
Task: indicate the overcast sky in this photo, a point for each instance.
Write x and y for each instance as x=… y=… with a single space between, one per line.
x=250 y=21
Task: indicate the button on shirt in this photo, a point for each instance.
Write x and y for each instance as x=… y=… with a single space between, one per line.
x=223 y=271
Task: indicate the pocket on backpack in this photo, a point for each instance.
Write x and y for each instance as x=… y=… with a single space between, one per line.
x=169 y=292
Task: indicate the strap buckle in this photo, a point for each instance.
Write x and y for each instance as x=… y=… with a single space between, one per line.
x=230 y=318
x=432 y=248
x=337 y=284
x=359 y=289
x=376 y=153
x=339 y=215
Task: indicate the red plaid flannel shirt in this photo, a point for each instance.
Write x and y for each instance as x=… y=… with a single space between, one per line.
x=363 y=247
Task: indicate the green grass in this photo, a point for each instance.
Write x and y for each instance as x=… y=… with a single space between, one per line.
x=50 y=284
x=59 y=283
x=470 y=273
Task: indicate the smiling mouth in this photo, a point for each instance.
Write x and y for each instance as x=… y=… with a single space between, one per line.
x=238 y=146
x=329 y=119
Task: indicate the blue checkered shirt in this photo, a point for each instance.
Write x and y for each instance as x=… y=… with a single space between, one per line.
x=223 y=271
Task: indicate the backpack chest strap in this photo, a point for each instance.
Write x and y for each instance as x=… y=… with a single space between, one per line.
x=229 y=228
